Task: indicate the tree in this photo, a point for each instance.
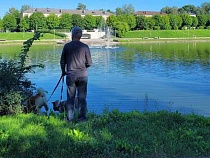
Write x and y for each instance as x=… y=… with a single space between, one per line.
x=120 y=28
x=181 y=11
x=126 y=9
x=89 y=22
x=189 y=9
x=24 y=8
x=77 y=20
x=24 y=24
x=159 y=24
x=142 y=22
x=166 y=10
x=52 y=21
x=1 y=24
x=37 y=21
x=119 y=11
x=174 y=10
x=206 y=7
x=174 y=21
x=200 y=11
x=129 y=19
x=151 y=23
x=202 y=20
x=16 y=14
x=179 y=21
x=111 y=20
x=81 y=6
x=169 y=10
x=208 y=22
x=100 y=22
x=194 y=22
x=186 y=20
x=9 y=22
x=65 y=21
x=166 y=22
x=122 y=18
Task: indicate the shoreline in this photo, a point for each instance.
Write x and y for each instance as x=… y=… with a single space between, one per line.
x=116 y=41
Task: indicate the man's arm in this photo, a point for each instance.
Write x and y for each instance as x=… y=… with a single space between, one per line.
x=63 y=62
x=88 y=58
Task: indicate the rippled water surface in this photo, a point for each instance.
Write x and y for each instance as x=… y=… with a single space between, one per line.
x=141 y=77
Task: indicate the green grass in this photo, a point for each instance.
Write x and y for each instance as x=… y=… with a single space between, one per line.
x=25 y=36
x=204 y=33
x=112 y=134
x=168 y=33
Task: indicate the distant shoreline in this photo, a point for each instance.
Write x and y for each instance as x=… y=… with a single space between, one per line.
x=99 y=42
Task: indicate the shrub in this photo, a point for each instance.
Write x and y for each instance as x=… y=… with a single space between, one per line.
x=12 y=78
x=201 y=27
x=156 y=27
x=10 y=103
x=14 y=86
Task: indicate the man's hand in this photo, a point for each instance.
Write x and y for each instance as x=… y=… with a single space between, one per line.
x=63 y=73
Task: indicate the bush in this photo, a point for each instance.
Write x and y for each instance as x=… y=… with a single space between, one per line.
x=12 y=78
x=156 y=27
x=201 y=27
x=14 y=86
x=10 y=103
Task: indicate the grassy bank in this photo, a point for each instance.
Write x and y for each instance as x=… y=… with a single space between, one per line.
x=112 y=134
x=168 y=33
x=25 y=36
x=143 y=34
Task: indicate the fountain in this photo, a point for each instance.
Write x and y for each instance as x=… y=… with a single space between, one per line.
x=108 y=35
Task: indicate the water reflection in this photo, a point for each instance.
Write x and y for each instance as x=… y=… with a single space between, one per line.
x=150 y=77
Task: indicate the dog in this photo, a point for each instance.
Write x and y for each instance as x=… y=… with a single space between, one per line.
x=36 y=102
x=61 y=105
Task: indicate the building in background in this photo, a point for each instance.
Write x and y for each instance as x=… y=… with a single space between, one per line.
x=59 y=12
x=149 y=13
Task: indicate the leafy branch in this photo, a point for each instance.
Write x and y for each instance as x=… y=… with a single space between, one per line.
x=12 y=73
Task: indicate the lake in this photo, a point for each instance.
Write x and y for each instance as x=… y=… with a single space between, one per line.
x=144 y=77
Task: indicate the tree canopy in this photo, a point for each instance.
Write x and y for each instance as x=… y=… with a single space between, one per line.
x=37 y=21
x=188 y=16
x=126 y=9
x=9 y=22
x=81 y=6
x=52 y=21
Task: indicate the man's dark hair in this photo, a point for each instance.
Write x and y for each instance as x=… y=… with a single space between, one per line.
x=76 y=31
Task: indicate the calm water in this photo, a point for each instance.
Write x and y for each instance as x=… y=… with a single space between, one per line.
x=141 y=77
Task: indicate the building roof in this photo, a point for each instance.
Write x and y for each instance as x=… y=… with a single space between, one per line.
x=149 y=13
x=71 y=11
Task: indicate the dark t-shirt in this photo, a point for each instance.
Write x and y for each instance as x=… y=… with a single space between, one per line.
x=75 y=58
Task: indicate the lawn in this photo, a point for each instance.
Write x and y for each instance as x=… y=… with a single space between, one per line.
x=131 y=34
x=25 y=36
x=111 y=134
x=168 y=33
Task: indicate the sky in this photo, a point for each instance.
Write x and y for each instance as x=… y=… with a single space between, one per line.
x=139 y=5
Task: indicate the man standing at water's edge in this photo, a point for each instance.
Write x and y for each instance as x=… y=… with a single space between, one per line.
x=75 y=59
